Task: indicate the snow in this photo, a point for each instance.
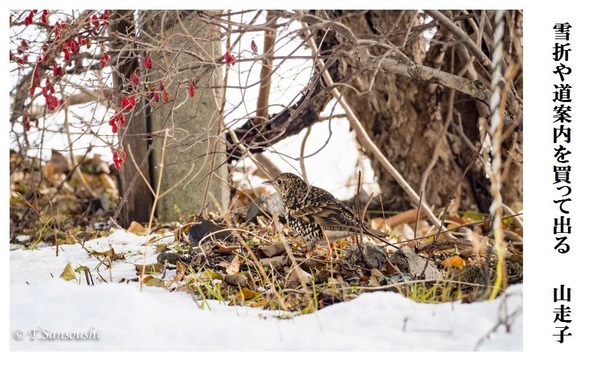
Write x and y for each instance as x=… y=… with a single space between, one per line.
x=118 y=316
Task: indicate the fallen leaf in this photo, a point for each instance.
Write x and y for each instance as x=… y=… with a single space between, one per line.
x=454 y=261
x=137 y=228
x=234 y=266
x=150 y=268
x=180 y=272
x=68 y=273
x=260 y=303
x=247 y=294
x=110 y=254
x=275 y=261
x=272 y=250
x=212 y=275
x=151 y=281
x=239 y=279
x=299 y=275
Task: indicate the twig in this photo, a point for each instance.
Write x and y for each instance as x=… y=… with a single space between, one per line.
x=262 y=104
x=501 y=321
x=461 y=36
x=161 y=168
x=357 y=208
x=302 y=148
x=72 y=156
x=453 y=191
x=418 y=215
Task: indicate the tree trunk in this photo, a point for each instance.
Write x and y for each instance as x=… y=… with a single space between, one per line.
x=407 y=118
x=194 y=174
x=136 y=196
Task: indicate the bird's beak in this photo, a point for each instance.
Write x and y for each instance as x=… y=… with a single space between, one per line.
x=268 y=182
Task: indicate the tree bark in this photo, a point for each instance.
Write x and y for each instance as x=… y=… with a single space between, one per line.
x=408 y=118
x=136 y=196
x=194 y=179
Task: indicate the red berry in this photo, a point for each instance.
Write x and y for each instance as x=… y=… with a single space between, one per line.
x=192 y=89
x=105 y=60
x=116 y=121
x=57 y=71
x=147 y=62
x=128 y=103
x=52 y=102
x=229 y=58
x=29 y=18
x=135 y=78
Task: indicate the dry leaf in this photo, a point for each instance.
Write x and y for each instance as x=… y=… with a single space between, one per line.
x=212 y=275
x=151 y=281
x=239 y=279
x=260 y=303
x=272 y=250
x=137 y=228
x=299 y=275
x=222 y=249
x=234 y=267
x=68 y=273
x=247 y=294
x=110 y=254
x=454 y=261
x=180 y=272
x=150 y=268
x=275 y=261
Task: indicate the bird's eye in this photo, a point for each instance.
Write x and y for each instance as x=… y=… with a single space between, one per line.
x=278 y=181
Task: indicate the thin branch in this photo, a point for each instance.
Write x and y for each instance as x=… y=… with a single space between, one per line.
x=462 y=37
x=262 y=105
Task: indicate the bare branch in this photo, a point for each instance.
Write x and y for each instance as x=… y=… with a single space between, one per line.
x=462 y=37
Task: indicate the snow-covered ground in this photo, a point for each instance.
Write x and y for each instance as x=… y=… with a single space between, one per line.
x=117 y=316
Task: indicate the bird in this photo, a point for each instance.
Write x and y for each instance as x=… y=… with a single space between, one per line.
x=315 y=214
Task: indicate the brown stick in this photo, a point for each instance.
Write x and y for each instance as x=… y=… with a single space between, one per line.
x=262 y=105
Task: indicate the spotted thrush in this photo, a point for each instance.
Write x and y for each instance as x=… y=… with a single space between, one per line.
x=316 y=215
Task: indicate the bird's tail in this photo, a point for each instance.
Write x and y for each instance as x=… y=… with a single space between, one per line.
x=373 y=232
x=378 y=235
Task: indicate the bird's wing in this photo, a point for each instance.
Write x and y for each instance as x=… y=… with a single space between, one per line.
x=322 y=208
